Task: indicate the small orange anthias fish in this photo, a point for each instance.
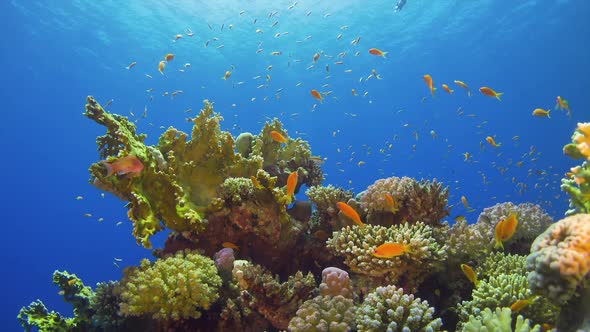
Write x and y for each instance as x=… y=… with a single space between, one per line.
x=447 y=89
x=169 y=57
x=230 y=245
x=317 y=95
x=348 y=211
x=470 y=273
x=390 y=250
x=430 y=83
x=464 y=86
x=390 y=202
x=465 y=203
x=227 y=75
x=316 y=57
x=519 y=304
x=563 y=105
x=490 y=92
x=278 y=137
x=126 y=165
x=541 y=113
x=161 y=67
x=492 y=142
x=255 y=182
x=505 y=228
x=292 y=183
x=378 y=52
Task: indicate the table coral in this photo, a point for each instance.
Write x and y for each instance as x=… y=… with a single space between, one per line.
x=389 y=309
x=414 y=201
x=357 y=244
x=499 y=320
x=559 y=262
x=176 y=287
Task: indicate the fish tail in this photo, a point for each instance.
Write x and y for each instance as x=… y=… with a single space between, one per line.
x=548 y=115
x=385 y=54
x=498 y=96
x=499 y=244
x=468 y=93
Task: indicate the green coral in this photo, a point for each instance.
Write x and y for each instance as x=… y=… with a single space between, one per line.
x=500 y=263
x=578 y=188
x=357 y=245
x=36 y=316
x=499 y=320
x=176 y=287
x=323 y=314
x=389 y=309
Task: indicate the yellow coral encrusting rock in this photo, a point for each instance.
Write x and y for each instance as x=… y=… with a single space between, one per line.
x=559 y=262
x=172 y=288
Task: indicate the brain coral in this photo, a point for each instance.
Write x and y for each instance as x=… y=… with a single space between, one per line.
x=559 y=262
x=389 y=309
x=414 y=201
x=172 y=288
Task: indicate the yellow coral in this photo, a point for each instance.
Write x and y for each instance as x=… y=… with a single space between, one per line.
x=582 y=139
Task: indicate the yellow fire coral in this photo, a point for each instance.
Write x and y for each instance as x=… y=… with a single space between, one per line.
x=559 y=262
x=172 y=288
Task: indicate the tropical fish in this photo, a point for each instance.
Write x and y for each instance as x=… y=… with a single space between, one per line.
x=464 y=86
x=465 y=203
x=292 y=183
x=378 y=52
x=447 y=89
x=470 y=274
x=169 y=57
x=505 y=229
x=492 y=142
x=541 y=113
x=131 y=65
x=428 y=80
x=177 y=37
x=71 y=282
x=459 y=218
x=278 y=137
x=564 y=105
x=255 y=182
x=519 y=304
x=490 y=92
x=390 y=250
x=316 y=57
x=317 y=95
x=230 y=245
x=354 y=93
x=390 y=202
x=161 y=67
x=126 y=165
x=227 y=75
x=348 y=211
x=467 y=155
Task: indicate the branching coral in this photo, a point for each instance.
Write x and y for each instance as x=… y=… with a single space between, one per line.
x=336 y=282
x=500 y=263
x=577 y=183
x=389 y=309
x=499 y=320
x=323 y=314
x=357 y=245
x=413 y=201
x=105 y=305
x=465 y=243
x=36 y=316
x=176 y=287
x=325 y=199
x=559 y=262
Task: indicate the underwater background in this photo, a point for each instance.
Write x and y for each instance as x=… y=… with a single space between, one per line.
x=56 y=53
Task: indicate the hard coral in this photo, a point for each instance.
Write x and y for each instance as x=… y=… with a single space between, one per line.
x=389 y=309
x=335 y=282
x=414 y=201
x=559 y=262
x=36 y=316
x=357 y=245
x=499 y=320
x=324 y=314
x=173 y=288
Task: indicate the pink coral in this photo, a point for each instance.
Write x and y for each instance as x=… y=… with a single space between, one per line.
x=335 y=282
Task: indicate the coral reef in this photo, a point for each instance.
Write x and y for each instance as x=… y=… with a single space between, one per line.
x=465 y=243
x=323 y=314
x=577 y=182
x=559 y=262
x=357 y=245
x=413 y=201
x=499 y=320
x=37 y=316
x=172 y=288
x=389 y=309
x=336 y=282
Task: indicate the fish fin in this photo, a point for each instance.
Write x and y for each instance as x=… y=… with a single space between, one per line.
x=499 y=244
x=548 y=115
x=385 y=54
x=498 y=96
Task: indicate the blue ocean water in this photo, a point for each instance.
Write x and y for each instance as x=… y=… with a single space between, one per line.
x=55 y=53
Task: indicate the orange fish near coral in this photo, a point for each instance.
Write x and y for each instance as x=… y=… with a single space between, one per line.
x=505 y=230
x=126 y=165
x=161 y=67
x=277 y=137
x=348 y=211
x=470 y=273
x=492 y=142
x=390 y=202
x=447 y=89
x=519 y=304
x=430 y=83
x=255 y=182
x=317 y=95
x=564 y=105
x=490 y=92
x=292 y=183
x=377 y=52
x=230 y=245
x=464 y=86
x=390 y=250
x=169 y=57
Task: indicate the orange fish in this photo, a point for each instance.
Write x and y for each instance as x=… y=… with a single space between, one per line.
x=490 y=92
x=131 y=65
x=316 y=57
x=519 y=304
x=230 y=245
x=292 y=183
x=465 y=203
x=71 y=282
x=348 y=211
x=390 y=202
x=227 y=75
x=126 y=165
x=169 y=57
x=255 y=182
x=161 y=67
x=564 y=105
x=430 y=83
x=541 y=113
x=277 y=137
x=492 y=142
x=390 y=250
x=378 y=52
x=447 y=89
x=317 y=95
x=464 y=86
x=470 y=273
x=505 y=230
